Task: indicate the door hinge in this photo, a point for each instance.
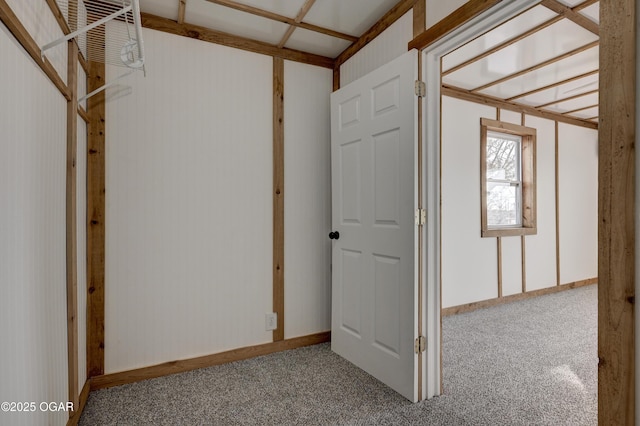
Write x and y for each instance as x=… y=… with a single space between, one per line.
x=421 y=89
x=420 y=344
x=421 y=217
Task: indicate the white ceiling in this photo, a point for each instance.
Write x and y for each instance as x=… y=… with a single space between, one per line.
x=552 y=52
x=352 y=17
x=536 y=49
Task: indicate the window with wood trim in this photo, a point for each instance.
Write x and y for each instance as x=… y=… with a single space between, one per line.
x=508 y=179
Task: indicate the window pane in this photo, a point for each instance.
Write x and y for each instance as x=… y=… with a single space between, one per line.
x=502 y=204
x=503 y=154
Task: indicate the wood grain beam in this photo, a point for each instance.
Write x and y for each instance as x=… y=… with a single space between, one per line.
x=205 y=34
x=395 y=13
x=95 y=220
x=299 y=17
x=557 y=198
x=464 y=13
x=419 y=17
x=71 y=224
x=284 y=19
x=616 y=213
x=11 y=21
x=573 y=111
x=571 y=15
x=499 y=103
x=538 y=66
x=182 y=7
x=569 y=98
x=278 y=196
x=551 y=86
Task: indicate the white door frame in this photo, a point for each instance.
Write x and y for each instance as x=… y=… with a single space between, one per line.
x=431 y=178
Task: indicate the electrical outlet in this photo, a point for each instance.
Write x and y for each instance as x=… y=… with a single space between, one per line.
x=271 y=321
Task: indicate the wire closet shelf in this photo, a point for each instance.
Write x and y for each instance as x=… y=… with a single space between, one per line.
x=107 y=31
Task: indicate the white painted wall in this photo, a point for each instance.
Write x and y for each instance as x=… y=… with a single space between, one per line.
x=461 y=241
x=578 y=181
x=33 y=314
x=387 y=46
x=541 y=248
x=188 y=204
x=307 y=135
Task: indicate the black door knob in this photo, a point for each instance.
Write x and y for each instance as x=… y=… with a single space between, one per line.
x=334 y=235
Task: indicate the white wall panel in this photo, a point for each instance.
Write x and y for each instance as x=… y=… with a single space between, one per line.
x=307 y=140
x=387 y=46
x=511 y=265
x=578 y=181
x=36 y=17
x=81 y=221
x=510 y=116
x=469 y=262
x=33 y=352
x=541 y=248
x=189 y=204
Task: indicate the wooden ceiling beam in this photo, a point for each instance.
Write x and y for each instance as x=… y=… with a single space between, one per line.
x=464 y=13
x=572 y=15
x=551 y=86
x=182 y=8
x=538 y=66
x=570 y=98
x=467 y=95
x=579 y=109
x=281 y=18
x=205 y=34
x=301 y=14
x=503 y=45
x=395 y=13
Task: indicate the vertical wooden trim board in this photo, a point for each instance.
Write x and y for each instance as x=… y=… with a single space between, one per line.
x=499 y=245
x=524 y=263
x=557 y=160
x=71 y=214
x=95 y=221
x=278 y=196
x=419 y=17
x=616 y=213
x=336 y=77
x=523 y=237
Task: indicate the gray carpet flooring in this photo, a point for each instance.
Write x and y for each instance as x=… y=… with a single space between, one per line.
x=526 y=363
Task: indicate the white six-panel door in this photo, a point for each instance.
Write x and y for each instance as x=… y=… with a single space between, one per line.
x=374 y=193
